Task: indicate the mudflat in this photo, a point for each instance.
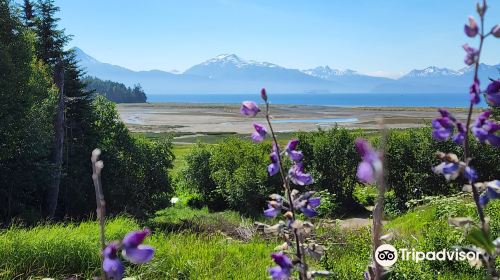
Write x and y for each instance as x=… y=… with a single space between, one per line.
x=213 y=118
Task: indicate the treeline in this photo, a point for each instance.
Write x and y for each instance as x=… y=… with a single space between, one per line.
x=116 y=92
x=233 y=175
x=50 y=123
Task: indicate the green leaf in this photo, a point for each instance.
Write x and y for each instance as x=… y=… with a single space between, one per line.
x=480 y=239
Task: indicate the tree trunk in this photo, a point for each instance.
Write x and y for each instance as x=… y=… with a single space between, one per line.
x=52 y=193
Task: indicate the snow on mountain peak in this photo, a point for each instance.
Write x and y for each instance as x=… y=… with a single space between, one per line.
x=237 y=61
x=325 y=72
x=432 y=71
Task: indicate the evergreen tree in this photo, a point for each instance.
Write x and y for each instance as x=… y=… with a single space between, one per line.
x=27 y=101
x=51 y=40
x=28 y=14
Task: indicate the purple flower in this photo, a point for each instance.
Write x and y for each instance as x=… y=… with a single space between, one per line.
x=450 y=170
x=274 y=206
x=459 y=137
x=470 y=174
x=274 y=167
x=472 y=54
x=249 y=108
x=291 y=151
x=442 y=127
x=310 y=208
x=492 y=192
x=263 y=94
x=260 y=132
x=370 y=167
x=307 y=204
x=471 y=29
x=485 y=130
x=111 y=265
x=271 y=212
x=133 y=250
x=474 y=92
x=297 y=175
x=496 y=31
x=284 y=268
x=493 y=93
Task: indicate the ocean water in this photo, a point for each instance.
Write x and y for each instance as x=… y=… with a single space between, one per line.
x=330 y=99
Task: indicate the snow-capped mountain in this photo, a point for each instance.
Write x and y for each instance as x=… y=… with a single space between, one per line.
x=432 y=71
x=229 y=73
x=327 y=73
x=236 y=61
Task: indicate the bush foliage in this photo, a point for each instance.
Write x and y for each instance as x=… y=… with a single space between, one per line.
x=233 y=173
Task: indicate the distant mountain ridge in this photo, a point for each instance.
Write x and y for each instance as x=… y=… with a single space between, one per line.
x=228 y=73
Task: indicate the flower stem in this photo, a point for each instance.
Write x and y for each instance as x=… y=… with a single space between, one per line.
x=286 y=185
x=101 y=206
x=475 y=192
x=379 y=206
x=490 y=262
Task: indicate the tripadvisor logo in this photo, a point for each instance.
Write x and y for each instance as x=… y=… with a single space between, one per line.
x=386 y=255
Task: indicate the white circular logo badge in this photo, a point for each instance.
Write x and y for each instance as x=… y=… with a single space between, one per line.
x=386 y=255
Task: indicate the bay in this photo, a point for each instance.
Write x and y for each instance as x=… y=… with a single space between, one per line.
x=447 y=100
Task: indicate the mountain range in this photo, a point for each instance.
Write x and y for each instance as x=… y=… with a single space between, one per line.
x=228 y=73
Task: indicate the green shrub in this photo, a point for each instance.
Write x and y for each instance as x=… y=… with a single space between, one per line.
x=135 y=176
x=196 y=177
x=366 y=195
x=331 y=158
x=239 y=169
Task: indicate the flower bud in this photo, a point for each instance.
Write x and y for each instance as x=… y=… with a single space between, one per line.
x=440 y=155
x=471 y=29
x=496 y=31
x=481 y=10
x=288 y=215
x=263 y=94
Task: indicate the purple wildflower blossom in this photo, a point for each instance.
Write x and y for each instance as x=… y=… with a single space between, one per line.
x=284 y=269
x=291 y=151
x=442 y=127
x=249 y=108
x=274 y=167
x=307 y=204
x=263 y=94
x=260 y=132
x=471 y=29
x=297 y=175
x=470 y=174
x=133 y=250
x=450 y=170
x=459 y=137
x=274 y=206
x=492 y=192
x=496 y=31
x=475 y=92
x=370 y=167
x=493 y=93
x=111 y=265
x=310 y=208
x=271 y=212
x=485 y=130
x=472 y=54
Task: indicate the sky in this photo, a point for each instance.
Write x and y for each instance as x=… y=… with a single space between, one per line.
x=377 y=37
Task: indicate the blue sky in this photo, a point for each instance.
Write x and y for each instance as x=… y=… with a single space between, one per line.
x=384 y=37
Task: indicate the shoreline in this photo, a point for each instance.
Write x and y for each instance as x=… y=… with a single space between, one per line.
x=225 y=118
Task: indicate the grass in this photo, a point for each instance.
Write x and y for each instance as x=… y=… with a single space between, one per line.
x=196 y=244
x=60 y=251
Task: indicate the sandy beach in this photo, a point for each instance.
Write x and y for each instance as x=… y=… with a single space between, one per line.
x=203 y=118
